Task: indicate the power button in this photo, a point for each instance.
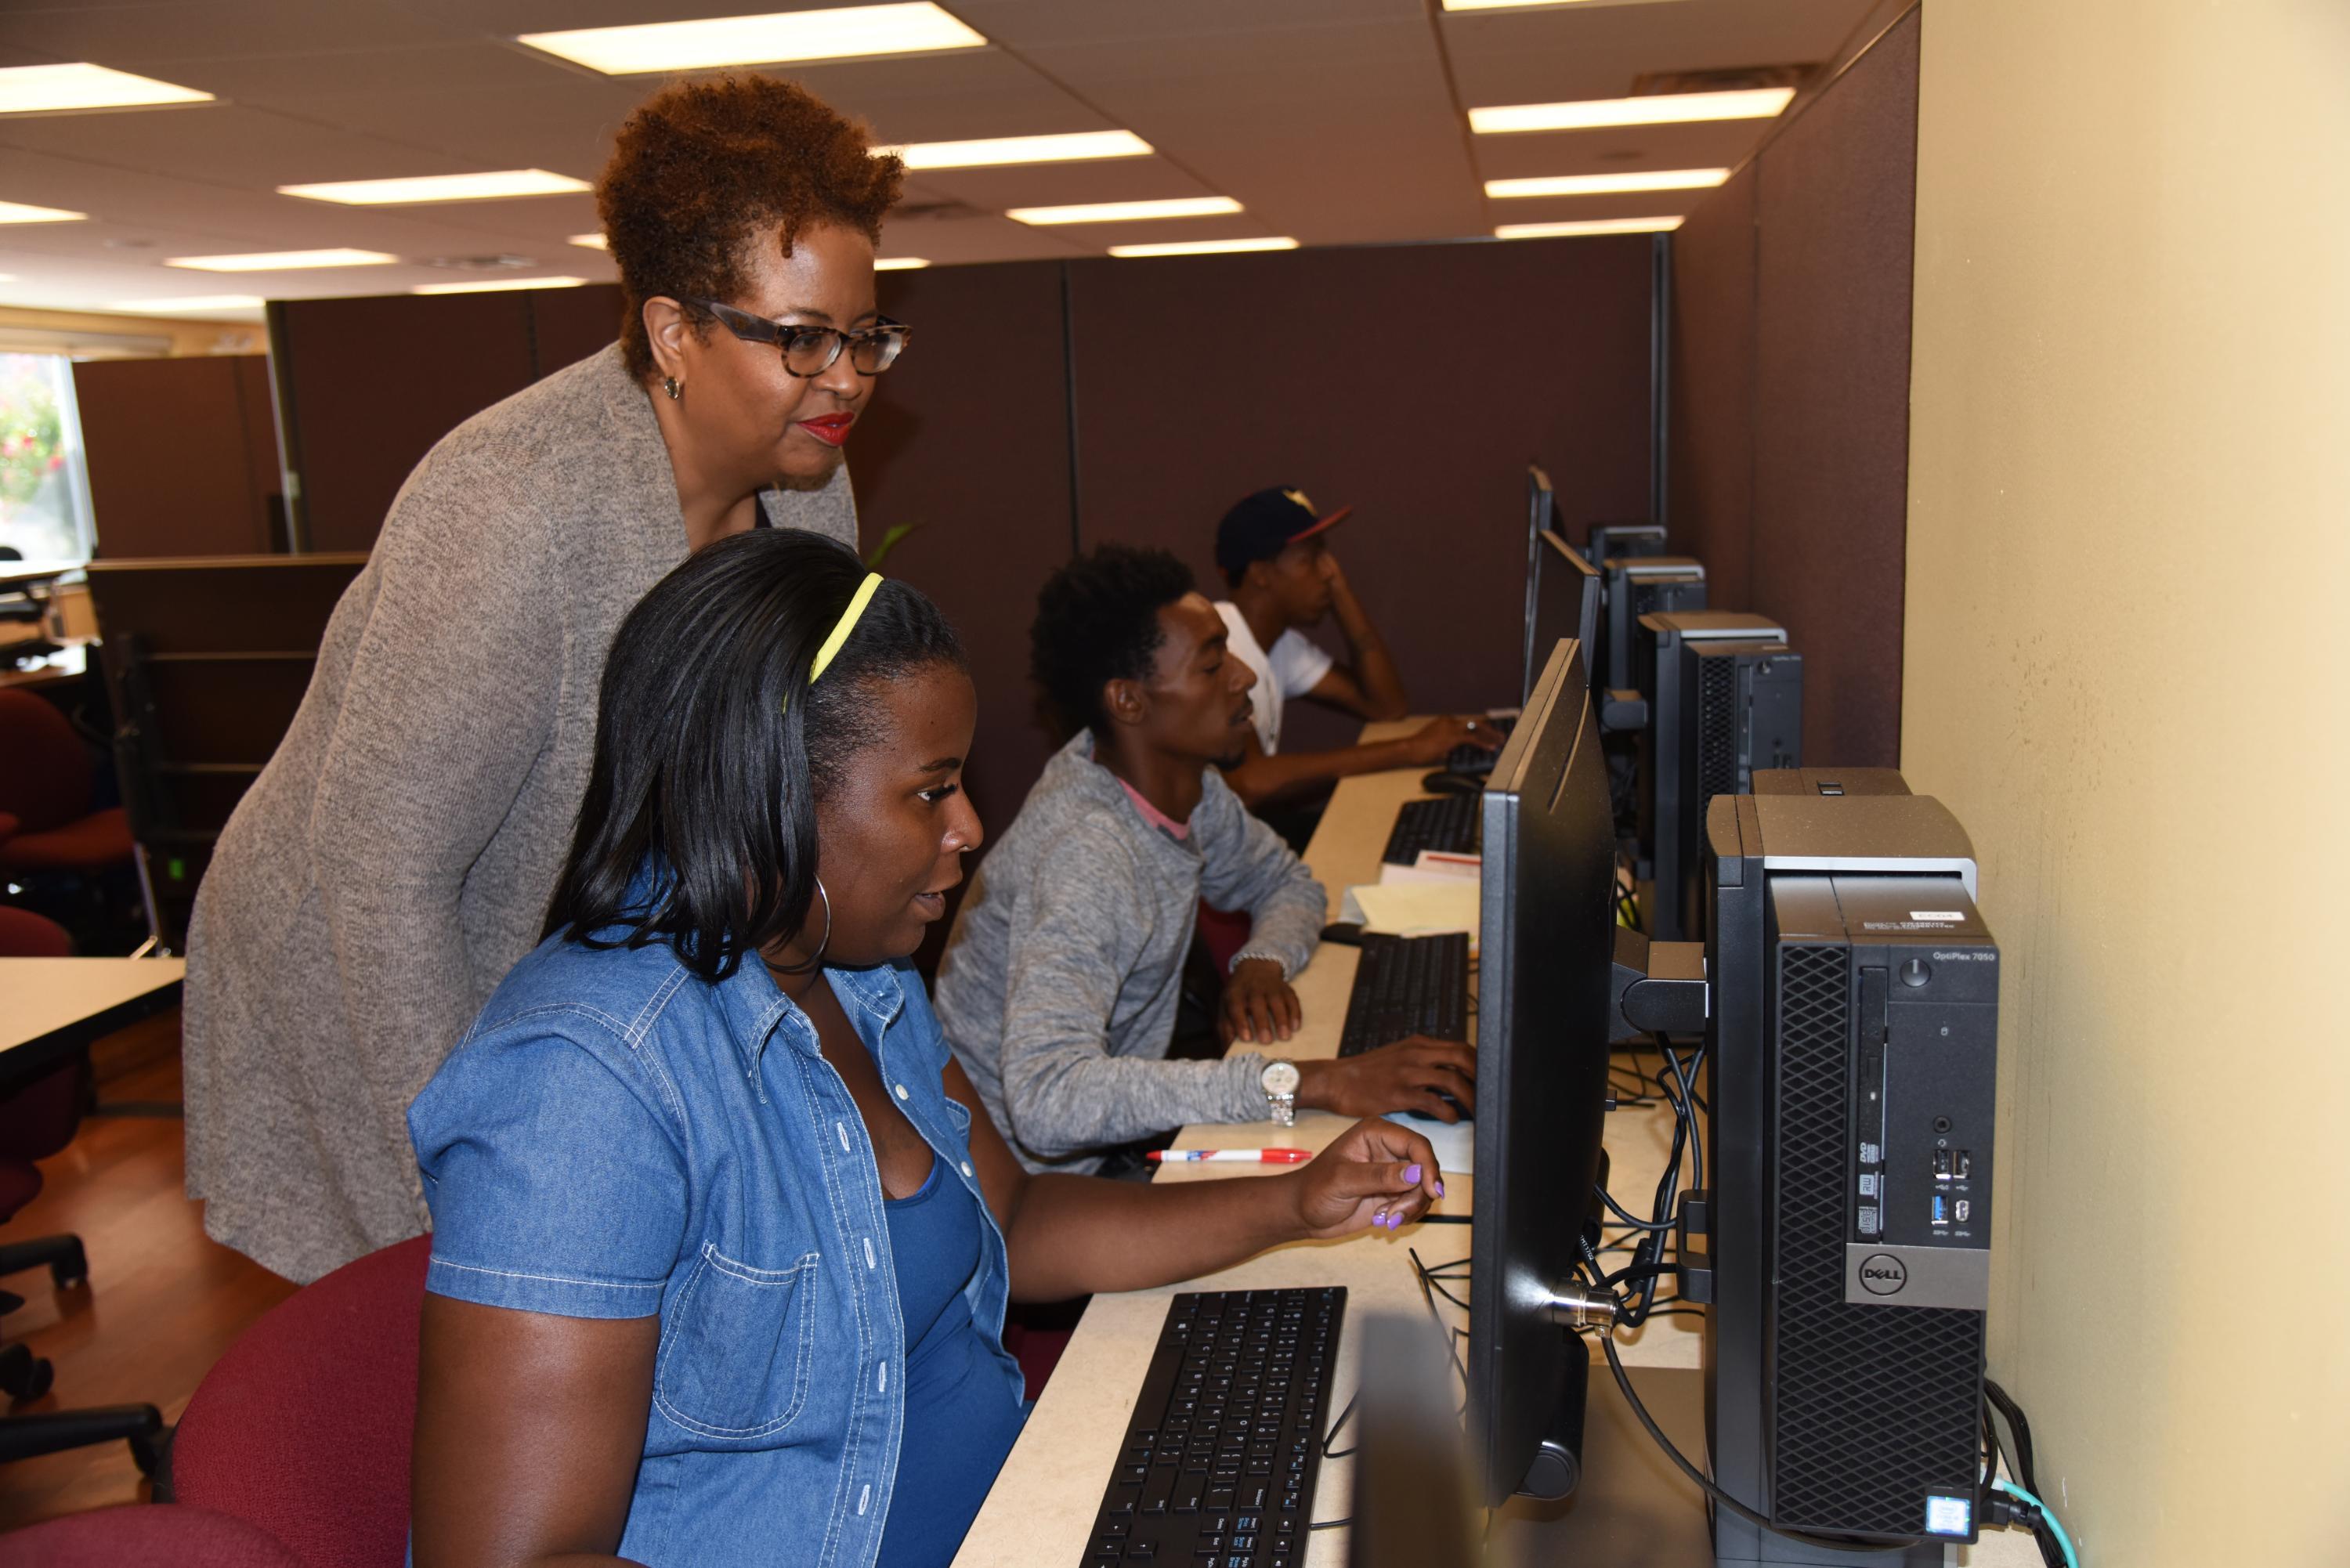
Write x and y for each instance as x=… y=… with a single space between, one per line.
x=1917 y=972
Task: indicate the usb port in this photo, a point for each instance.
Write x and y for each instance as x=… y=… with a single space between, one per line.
x=1941 y=1209
x=1942 y=1165
x=1965 y=1208
x=1965 y=1162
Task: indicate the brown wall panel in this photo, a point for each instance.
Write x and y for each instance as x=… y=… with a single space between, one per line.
x=966 y=439
x=174 y=449
x=1711 y=493
x=566 y=324
x=375 y=382
x=1790 y=393
x=1838 y=197
x=1413 y=381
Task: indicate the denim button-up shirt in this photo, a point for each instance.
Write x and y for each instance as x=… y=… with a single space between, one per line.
x=614 y=1137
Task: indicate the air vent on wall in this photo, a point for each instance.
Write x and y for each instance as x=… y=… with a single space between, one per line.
x=1725 y=79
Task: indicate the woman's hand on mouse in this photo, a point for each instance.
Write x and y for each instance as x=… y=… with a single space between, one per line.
x=1374 y=1175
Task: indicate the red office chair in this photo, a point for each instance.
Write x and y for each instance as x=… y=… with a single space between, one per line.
x=144 y=1536
x=36 y=1122
x=303 y=1427
x=46 y=786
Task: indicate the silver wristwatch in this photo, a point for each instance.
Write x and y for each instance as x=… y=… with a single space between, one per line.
x=1280 y=1080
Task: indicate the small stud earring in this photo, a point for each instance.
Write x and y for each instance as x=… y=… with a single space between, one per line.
x=668 y=384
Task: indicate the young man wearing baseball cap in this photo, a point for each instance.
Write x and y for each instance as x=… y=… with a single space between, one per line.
x=1272 y=548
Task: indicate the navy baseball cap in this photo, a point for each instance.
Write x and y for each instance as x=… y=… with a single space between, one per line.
x=1260 y=526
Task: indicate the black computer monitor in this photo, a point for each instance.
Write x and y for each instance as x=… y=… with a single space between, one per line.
x=1566 y=602
x=1613 y=541
x=1546 y=960
x=1542 y=514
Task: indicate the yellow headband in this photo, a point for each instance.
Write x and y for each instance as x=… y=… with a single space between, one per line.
x=842 y=628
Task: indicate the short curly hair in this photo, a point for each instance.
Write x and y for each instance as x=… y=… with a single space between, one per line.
x=705 y=169
x=1097 y=621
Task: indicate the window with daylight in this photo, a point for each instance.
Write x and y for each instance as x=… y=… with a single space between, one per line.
x=44 y=486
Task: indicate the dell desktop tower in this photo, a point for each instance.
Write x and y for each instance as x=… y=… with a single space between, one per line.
x=1847 y=1223
x=1725 y=699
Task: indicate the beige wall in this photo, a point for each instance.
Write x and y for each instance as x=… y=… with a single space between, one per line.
x=2129 y=557
x=100 y=334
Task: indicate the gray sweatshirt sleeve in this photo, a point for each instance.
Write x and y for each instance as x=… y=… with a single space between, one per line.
x=1247 y=866
x=1077 y=931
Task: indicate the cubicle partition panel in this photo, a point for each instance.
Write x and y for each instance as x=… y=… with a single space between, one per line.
x=206 y=663
x=1413 y=382
x=1790 y=406
x=367 y=385
x=965 y=445
x=183 y=456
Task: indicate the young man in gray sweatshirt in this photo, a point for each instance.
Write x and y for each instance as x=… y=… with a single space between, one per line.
x=1059 y=983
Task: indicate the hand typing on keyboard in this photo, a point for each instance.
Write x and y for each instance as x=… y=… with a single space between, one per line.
x=1415 y=1074
x=1433 y=741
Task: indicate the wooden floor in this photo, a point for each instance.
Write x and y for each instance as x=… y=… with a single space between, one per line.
x=162 y=1301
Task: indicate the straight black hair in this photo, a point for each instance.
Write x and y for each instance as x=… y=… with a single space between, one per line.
x=711 y=748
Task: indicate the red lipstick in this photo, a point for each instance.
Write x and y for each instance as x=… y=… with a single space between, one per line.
x=830 y=429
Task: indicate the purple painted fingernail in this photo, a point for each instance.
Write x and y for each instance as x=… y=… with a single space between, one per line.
x=1395 y=1221
x=1412 y=1174
x=1439 y=1187
x=1378 y=1217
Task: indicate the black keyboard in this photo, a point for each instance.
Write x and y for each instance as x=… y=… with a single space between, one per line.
x=1408 y=985
x=1475 y=761
x=1444 y=822
x=1218 y=1465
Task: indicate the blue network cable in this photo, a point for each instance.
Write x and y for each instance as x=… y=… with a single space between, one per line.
x=2064 y=1542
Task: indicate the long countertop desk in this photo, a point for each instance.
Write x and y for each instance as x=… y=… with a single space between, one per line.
x=1041 y=1507
x=52 y=1007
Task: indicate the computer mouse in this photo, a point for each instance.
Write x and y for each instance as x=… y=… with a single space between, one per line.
x=1443 y=783
x=1423 y=1116
x=1346 y=933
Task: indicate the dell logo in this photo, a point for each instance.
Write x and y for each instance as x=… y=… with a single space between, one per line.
x=1881 y=1274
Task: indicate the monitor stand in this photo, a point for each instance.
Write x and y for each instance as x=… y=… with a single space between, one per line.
x=1632 y=1509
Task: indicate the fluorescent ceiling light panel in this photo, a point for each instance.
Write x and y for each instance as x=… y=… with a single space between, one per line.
x=1073 y=148
x=1204 y=248
x=19 y=213
x=590 y=242
x=839 y=34
x=439 y=188
x=898 y=264
x=1506 y=4
x=53 y=90
x=1126 y=212
x=1607 y=184
x=1585 y=226
x=190 y=303
x=496 y=285
x=282 y=261
x=1658 y=109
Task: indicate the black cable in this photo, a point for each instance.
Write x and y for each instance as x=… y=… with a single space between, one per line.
x=1331 y=1435
x=2020 y=1429
x=1331 y=1523
x=1720 y=1498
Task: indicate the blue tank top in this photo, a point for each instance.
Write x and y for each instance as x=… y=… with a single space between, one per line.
x=959 y=1421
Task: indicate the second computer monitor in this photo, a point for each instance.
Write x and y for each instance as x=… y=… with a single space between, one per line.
x=1546 y=959
x=1565 y=603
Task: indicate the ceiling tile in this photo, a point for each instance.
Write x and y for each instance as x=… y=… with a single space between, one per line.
x=1595 y=51
x=199 y=29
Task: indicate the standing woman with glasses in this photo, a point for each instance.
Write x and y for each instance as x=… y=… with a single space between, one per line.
x=397 y=855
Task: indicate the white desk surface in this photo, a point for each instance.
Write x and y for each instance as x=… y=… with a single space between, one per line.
x=1042 y=1507
x=41 y=996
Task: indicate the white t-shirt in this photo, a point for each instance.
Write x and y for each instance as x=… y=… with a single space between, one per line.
x=1294 y=668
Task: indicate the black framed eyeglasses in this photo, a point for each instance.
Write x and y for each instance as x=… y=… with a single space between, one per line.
x=812 y=350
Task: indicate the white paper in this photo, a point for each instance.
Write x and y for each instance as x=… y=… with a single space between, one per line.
x=1455 y=1143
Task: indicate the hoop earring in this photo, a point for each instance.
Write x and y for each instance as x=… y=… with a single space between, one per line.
x=668 y=384
x=815 y=960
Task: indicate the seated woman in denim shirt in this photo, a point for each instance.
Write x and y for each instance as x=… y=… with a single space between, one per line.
x=721 y=1240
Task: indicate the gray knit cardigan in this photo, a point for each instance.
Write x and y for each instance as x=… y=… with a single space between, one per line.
x=396 y=855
